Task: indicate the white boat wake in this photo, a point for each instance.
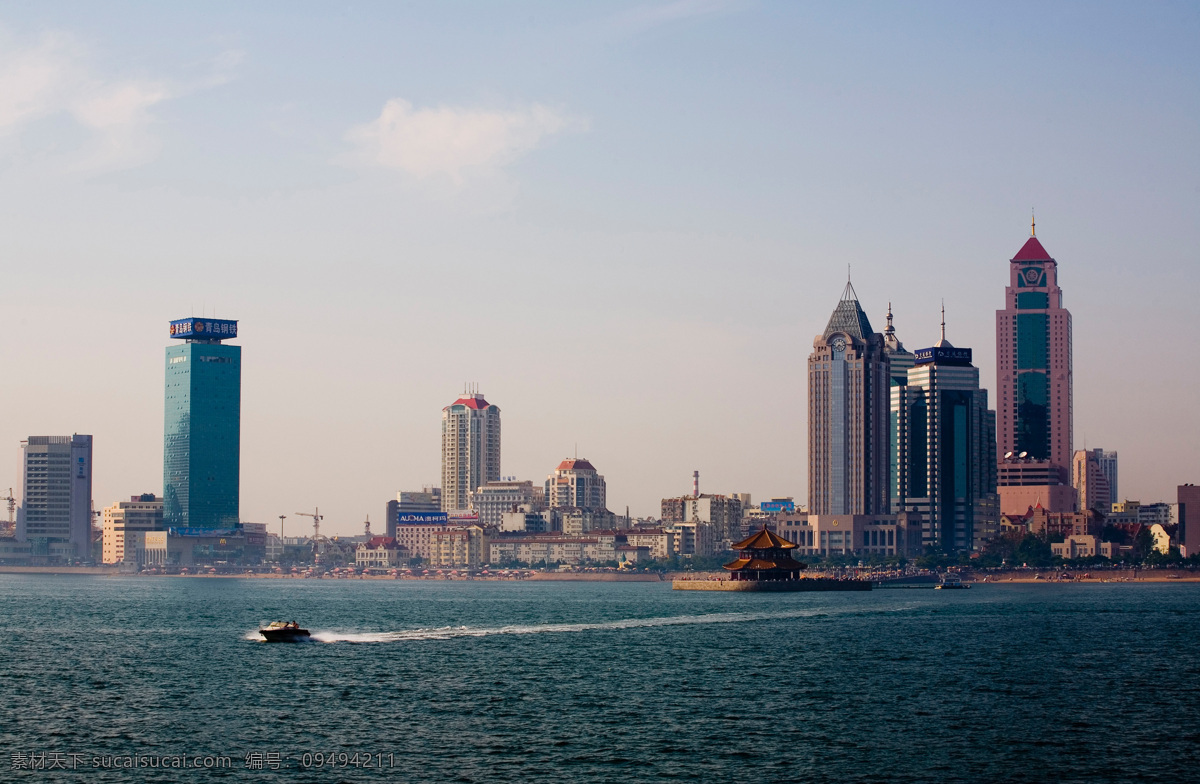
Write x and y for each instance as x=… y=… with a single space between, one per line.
x=455 y=632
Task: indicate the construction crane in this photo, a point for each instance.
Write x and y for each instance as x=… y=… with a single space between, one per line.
x=316 y=516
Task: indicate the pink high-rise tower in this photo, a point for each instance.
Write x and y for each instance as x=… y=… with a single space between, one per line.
x=1034 y=379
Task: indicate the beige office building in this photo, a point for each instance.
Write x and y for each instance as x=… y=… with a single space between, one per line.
x=124 y=524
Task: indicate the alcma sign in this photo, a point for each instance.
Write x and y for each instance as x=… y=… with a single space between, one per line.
x=204 y=328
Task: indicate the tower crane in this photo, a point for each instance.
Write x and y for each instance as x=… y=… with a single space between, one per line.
x=316 y=516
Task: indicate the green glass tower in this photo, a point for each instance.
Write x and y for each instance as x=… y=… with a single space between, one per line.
x=202 y=432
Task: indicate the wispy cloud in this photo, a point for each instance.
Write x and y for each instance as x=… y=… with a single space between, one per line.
x=453 y=141
x=51 y=79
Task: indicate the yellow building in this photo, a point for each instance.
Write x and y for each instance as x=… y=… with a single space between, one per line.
x=122 y=524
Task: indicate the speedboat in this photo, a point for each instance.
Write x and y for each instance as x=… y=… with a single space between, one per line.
x=284 y=631
x=948 y=583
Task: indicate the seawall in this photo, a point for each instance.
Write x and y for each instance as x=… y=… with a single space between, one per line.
x=771 y=585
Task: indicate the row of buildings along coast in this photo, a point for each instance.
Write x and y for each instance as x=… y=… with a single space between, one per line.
x=905 y=455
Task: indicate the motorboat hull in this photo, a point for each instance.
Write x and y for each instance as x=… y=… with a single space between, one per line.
x=285 y=635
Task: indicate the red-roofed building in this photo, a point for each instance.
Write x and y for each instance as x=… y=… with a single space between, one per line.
x=380 y=552
x=576 y=483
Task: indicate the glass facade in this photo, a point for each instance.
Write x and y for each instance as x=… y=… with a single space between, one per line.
x=838 y=468
x=947 y=469
x=1033 y=300
x=202 y=435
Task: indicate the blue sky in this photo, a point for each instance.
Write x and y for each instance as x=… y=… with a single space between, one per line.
x=625 y=221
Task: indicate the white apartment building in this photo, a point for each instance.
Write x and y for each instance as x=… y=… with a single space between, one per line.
x=576 y=483
x=470 y=448
x=494 y=499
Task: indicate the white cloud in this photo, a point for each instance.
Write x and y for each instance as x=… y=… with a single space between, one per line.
x=34 y=80
x=452 y=141
x=51 y=79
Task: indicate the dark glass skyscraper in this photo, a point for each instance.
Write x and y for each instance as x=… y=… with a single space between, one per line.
x=202 y=434
x=946 y=470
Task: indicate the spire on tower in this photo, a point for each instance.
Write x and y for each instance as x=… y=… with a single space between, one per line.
x=1032 y=223
x=943 y=320
x=890 y=329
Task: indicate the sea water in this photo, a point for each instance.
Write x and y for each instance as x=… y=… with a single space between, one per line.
x=595 y=682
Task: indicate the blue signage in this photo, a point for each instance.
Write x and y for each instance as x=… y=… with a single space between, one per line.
x=777 y=505
x=175 y=531
x=204 y=328
x=943 y=355
x=426 y=518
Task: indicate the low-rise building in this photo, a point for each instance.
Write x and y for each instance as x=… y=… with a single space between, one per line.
x=627 y=555
x=1083 y=546
x=494 y=499
x=460 y=547
x=546 y=549
x=242 y=545
x=861 y=535
x=1048 y=525
x=693 y=538
x=380 y=552
x=576 y=521
x=659 y=542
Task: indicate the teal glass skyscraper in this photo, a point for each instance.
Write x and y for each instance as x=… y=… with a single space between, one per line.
x=202 y=433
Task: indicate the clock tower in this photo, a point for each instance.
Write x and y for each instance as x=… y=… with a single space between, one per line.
x=1034 y=417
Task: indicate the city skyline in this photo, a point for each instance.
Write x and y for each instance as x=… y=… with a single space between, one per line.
x=673 y=187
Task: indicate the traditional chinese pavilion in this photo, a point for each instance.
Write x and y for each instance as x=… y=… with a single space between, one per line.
x=765 y=556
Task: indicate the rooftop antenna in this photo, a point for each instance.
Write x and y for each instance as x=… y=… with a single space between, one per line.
x=890 y=329
x=943 y=319
x=1032 y=223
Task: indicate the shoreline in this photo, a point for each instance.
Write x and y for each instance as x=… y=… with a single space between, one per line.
x=1026 y=577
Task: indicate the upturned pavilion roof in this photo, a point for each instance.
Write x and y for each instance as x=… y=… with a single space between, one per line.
x=766 y=539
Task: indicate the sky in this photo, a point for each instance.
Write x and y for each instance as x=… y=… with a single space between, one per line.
x=625 y=222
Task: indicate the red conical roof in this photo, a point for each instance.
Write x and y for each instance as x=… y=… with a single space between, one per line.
x=1032 y=250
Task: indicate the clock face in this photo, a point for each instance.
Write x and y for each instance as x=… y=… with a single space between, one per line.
x=1033 y=276
x=839 y=344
